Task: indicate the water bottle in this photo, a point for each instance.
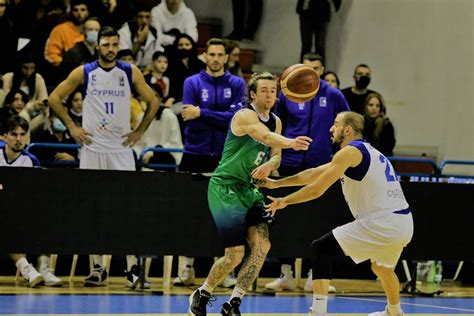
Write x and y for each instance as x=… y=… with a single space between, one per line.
x=439 y=273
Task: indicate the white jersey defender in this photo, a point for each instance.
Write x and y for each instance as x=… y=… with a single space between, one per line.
x=384 y=224
x=107 y=106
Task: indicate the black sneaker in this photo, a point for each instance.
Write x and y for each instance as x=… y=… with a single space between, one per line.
x=132 y=277
x=198 y=302
x=232 y=308
x=98 y=277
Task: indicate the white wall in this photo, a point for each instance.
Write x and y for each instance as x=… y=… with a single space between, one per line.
x=421 y=53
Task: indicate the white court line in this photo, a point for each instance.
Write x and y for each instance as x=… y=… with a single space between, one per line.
x=405 y=303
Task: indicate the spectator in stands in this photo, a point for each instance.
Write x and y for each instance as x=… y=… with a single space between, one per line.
x=332 y=79
x=113 y=12
x=26 y=79
x=172 y=18
x=126 y=55
x=156 y=77
x=13 y=155
x=74 y=106
x=64 y=36
x=314 y=19
x=14 y=104
x=232 y=49
x=8 y=38
x=209 y=102
x=357 y=94
x=246 y=18
x=313 y=118
x=140 y=37
x=54 y=133
x=163 y=132
x=83 y=52
x=378 y=129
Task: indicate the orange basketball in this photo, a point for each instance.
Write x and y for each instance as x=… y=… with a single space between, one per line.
x=299 y=83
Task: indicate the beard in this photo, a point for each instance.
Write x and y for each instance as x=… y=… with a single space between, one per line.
x=108 y=58
x=17 y=148
x=216 y=68
x=337 y=140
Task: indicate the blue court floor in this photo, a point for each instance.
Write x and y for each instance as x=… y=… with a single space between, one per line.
x=66 y=304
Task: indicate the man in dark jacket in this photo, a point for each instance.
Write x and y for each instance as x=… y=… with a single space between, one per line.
x=210 y=100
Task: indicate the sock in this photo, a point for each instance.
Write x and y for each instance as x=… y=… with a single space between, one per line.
x=286 y=270
x=237 y=292
x=188 y=262
x=21 y=264
x=320 y=304
x=206 y=287
x=43 y=262
x=98 y=259
x=394 y=309
x=131 y=261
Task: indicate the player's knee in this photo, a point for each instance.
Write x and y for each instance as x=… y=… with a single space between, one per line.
x=380 y=271
x=266 y=245
x=234 y=257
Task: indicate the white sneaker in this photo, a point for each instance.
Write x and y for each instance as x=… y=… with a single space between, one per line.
x=313 y=313
x=229 y=281
x=31 y=275
x=286 y=281
x=385 y=313
x=308 y=286
x=49 y=278
x=186 y=277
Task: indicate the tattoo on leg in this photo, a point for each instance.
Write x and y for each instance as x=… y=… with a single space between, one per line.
x=224 y=265
x=259 y=246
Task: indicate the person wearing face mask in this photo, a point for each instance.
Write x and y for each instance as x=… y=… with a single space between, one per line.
x=357 y=94
x=74 y=105
x=83 y=52
x=140 y=37
x=378 y=130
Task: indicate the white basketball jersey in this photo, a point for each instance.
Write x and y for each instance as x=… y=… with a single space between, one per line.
x=106 y=106
x=24 y=160
x=371 y=189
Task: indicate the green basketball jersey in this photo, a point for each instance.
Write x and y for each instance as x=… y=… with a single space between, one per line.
x=241 y=155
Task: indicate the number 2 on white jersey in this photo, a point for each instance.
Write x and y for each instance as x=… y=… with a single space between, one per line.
x=389 y=172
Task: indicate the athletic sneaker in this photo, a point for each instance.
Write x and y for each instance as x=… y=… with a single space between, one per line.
x=49 y=278
x=185 y=277
x=198 y=302
x=286 y=281
x=232 y=308
x=385 y=313
x=132 y=277
x=229 y=281
x=308 y=286
x=32 y=276
x=98 y=277
x=313 y=313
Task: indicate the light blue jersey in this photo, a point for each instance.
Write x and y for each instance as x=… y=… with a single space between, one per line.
x=106 y=106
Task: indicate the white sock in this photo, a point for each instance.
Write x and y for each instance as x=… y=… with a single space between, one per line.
x=206 y=287
x=286 y=270
x=43 y=262
x=394 y=309
x=21 y=264
x=98 y=259
x=320 y=304
x=188 y=262
x=131 y=261
x=238 y=292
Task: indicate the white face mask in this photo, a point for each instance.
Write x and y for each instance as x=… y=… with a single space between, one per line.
x=58 y=126
x=92 y=36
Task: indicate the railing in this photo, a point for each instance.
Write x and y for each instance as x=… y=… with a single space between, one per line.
x=56 y=163
x=158 y=165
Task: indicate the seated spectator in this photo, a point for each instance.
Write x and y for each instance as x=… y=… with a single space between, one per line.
x=331 y=78
x=232 y=49
x=156 y=77
x=163 y=132
x=172 y=18
x=64 y=36
x=140 y=37
x=83 y=52
x=378 y=129
x=26 y=79
x=12 y=155
x=74 y=105
x=126 y=55
x=54 y=133
x=14 y=104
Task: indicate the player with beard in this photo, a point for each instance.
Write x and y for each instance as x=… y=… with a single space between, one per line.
x=383 y=223
x=209 y=101
x=106 y=136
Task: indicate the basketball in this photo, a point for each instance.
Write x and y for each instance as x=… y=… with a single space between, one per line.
x=299 y=83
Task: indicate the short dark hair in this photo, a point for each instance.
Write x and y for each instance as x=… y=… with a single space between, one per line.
x=125 y=52
x=11 y=97
x=79 y=2
x=157 y=55
x=313 y=57
x=16 y=121
x=215 y=41
x=107 y=31
x=360 y=65
x=354 y=120
x=253 y=81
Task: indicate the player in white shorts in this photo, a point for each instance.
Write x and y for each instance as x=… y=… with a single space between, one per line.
x=106 y=136
x=383 y=223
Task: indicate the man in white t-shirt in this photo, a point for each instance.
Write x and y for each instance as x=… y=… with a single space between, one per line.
x=383 y=223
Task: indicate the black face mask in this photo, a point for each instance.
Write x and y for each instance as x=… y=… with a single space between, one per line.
x=183 y=53
x=362 y=82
